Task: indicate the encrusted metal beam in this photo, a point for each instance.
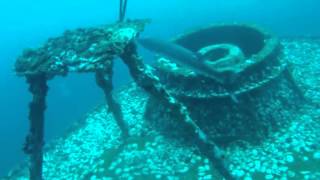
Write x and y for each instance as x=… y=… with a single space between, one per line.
x=104 y=81
x=34 y=140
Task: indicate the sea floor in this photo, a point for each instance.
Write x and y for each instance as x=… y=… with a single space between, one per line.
x=94 y=149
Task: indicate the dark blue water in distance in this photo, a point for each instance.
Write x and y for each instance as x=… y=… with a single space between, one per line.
x=29 y=23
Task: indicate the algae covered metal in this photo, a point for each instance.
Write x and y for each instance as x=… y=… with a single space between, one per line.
x=77 y=54
x=245 y=56
x=252 y=64
x=80 y=50
x=174 y=123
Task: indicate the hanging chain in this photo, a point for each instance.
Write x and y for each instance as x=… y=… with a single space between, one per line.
x=122 y=9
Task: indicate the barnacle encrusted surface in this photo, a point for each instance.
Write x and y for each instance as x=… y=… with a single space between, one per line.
x=260 y=61
x=95 y=149
x=79 y=50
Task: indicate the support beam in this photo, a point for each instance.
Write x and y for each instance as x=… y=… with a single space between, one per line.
x=104 y=81
x=35 y=139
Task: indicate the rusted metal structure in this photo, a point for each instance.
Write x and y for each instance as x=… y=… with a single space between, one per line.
x=93 y=50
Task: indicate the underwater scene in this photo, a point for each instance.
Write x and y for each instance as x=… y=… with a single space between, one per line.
x=146 y=90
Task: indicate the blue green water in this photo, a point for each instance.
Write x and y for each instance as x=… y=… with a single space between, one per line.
x=29 y=23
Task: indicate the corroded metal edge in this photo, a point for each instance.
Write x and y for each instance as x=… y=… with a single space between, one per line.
x=79 y=50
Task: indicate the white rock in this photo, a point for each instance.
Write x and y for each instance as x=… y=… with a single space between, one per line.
x=101 y=170
x=93 y=177
x=206 y=168
x=248 y=177
x=238 y=173
x=291 y=174
x=257 y=165
x=207 y=177
x=283 y=178
x=254 y=152
x=269 y=176
x=283 y=169
x=206 y=161
x=158 y=176
x=184 y=169
x=290 y=158
x=101 y=162
x=118 y=171
x=316 y=155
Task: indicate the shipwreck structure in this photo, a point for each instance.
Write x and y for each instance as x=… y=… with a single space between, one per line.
x=252 y=65
x=183 y=105
x=220 y=128
x=93 y=50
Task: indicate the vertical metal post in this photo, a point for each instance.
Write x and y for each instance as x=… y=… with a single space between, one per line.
x=34 y=140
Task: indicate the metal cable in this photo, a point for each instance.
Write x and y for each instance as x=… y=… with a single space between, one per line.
x=122 y=9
